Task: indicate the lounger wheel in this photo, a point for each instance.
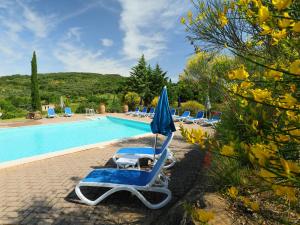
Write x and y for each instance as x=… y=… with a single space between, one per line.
x=131 y=190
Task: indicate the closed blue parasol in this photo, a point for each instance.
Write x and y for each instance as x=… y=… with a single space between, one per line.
x=162 y=122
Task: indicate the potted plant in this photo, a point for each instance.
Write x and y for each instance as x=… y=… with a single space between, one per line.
x=101 y=108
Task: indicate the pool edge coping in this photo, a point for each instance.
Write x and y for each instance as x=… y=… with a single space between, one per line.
x=19 y=162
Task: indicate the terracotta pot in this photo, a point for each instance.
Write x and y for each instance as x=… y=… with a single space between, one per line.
x=37 y=115
x=34 y=115
x=125 y=108
x=101 y=109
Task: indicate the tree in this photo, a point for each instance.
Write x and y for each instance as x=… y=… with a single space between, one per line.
x=35 y=95
x=260 y=126
x=145 y=81
x=202 y=72
x=158 y=79
x=138 y=77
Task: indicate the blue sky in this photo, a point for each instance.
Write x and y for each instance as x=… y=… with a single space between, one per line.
x=102 y=36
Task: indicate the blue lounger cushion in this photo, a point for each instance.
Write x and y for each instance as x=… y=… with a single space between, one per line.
x=124 y=177
x=141 y=150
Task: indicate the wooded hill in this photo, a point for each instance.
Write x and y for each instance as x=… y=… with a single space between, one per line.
x=53 y=85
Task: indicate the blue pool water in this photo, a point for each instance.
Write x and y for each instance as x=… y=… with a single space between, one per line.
x=22 y=142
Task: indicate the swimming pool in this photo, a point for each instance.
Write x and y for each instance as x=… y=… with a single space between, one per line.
x=23 y=142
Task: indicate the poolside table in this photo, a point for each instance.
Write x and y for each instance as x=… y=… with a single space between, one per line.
x=128 y=161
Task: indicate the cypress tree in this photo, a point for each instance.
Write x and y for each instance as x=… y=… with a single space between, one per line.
x=35 y=96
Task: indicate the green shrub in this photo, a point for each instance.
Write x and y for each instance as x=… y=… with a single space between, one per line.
x=225 y=172
x=192 y=106
x=9 y=111
x=58 y=109
x=114 y=105
x=82 y=106
x=132 y=99
x=74 y=106
x=14 y=114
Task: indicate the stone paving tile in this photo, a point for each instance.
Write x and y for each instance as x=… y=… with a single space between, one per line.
x=42 y=192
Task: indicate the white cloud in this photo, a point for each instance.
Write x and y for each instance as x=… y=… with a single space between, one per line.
x=75 y=56
x=147 y=27
x=107 y=42
x=74 y=33
x=146 y=23
x=34 y=22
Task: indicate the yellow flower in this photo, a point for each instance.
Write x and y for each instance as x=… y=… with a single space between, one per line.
x=254 y=124
x=204 y=216
x=281 y=4
x=250 y=13
x=190 y=17
x=200 y=17
x=259 y=43
x=223 y=19
x=296 y=27
x=254 y=206
x=240 y=74
x=295 y=132
x=227 y=150
x=182 y=20
x=284 y=23
x=266 y=174
x=232 y=5
x=287 y=192
x=257 y=3
x=289 y=100
x=243 y=2
x=261 y=95
x=233 y=192
x=290 y=114
x=293 y=88
x=276 y=75
x=295 y=67
x=285 y=166
x=234 y=88
x=244 y=103
x=246 y=84
x=279 y=34
x=246 y=201
x=263 y=14
x=282 y=138
x=261 y=152
x=266 y=29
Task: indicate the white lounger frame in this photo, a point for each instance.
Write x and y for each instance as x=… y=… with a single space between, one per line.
x=170 y=155
x=159 y=183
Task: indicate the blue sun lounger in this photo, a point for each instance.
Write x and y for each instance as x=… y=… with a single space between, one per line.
x=151 y=112
x=141 y=113
x=51 y=113
x=212 y=121
x=198 y=118
x=146 y=152
x=131 y=112
x=133 y=181
x=68 y=112
x=181 y=118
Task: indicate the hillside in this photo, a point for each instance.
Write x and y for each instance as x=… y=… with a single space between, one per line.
x=53 y=85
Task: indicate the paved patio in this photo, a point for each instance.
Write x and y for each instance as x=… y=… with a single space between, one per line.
x=42 y=192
